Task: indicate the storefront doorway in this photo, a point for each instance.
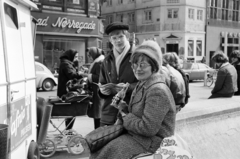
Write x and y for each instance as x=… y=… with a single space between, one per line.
x=172 y=48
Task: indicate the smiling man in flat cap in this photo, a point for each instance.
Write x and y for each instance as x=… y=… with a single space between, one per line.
x=116 y=69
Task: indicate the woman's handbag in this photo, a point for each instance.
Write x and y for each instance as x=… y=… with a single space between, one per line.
x=99 y=137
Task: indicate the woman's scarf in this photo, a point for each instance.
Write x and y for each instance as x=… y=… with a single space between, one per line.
x=119 y=57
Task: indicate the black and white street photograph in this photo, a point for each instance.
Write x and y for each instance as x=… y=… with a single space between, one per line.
x=119 y=79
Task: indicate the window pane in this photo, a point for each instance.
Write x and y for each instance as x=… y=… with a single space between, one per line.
x=199 y=48
x=169 y=13
x=11 y=16
x=190 y=47
x=77 y=3
x=175 y=15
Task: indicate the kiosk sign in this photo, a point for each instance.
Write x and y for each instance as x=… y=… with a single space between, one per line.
x=20 y=121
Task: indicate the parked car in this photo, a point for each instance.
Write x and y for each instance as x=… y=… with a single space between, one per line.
x=44 y=77
x=196 y=71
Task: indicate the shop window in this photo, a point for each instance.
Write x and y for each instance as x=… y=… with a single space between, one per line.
x=11 y=16
x=199 y=48
x=54 y=48
x=190 y=47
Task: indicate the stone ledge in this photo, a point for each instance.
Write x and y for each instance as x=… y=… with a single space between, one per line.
x=207 y=108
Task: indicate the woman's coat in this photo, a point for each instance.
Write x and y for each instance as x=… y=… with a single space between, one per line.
x=151 y=118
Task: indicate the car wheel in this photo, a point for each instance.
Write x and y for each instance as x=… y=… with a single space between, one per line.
x=47 y=85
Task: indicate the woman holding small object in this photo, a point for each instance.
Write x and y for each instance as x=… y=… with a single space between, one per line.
x=96 y=55
x=67 y=72
x=151 y=112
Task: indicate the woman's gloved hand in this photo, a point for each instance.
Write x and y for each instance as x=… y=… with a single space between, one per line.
x=123 y=108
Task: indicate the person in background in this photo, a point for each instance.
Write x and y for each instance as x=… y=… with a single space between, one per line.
x=152 y=111
x=116 y=69
x=203 y=60
x=226 y=82
x=235 y=57
x=67 y=72
x=171 y=61
x=96 y=55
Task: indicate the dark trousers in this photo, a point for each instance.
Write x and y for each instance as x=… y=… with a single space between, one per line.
x=96 y=123
x=69 y=123
x=217 y=95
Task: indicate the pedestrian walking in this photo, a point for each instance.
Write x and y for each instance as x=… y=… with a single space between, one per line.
x=67 y=72
x=226 y=82
x=152 y=111
x=116 y=71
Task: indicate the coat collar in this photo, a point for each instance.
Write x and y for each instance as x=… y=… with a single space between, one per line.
x=141 y=87
x=111 y=55
x=155 y=78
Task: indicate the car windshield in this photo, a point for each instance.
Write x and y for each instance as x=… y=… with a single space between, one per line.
x=187 y=66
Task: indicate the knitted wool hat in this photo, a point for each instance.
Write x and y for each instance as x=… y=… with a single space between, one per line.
x=151 y=49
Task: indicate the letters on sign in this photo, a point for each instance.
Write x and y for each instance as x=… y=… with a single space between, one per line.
x=64 y=22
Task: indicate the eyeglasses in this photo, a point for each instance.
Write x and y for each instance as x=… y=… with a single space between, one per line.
x=141 y=65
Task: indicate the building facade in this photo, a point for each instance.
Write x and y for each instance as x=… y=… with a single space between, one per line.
x=177 y=25
x=222 y=27
x=63 y=25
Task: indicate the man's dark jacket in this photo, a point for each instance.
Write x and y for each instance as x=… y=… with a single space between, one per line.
x=108 y=74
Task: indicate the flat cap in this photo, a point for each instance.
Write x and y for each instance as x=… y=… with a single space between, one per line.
x=116 y=26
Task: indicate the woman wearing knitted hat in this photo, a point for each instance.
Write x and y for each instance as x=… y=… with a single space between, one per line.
x=152 y=110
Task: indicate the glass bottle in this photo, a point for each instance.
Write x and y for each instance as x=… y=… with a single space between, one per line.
x=119 y=96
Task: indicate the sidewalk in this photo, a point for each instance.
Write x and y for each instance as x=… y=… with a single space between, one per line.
x=199 y=107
